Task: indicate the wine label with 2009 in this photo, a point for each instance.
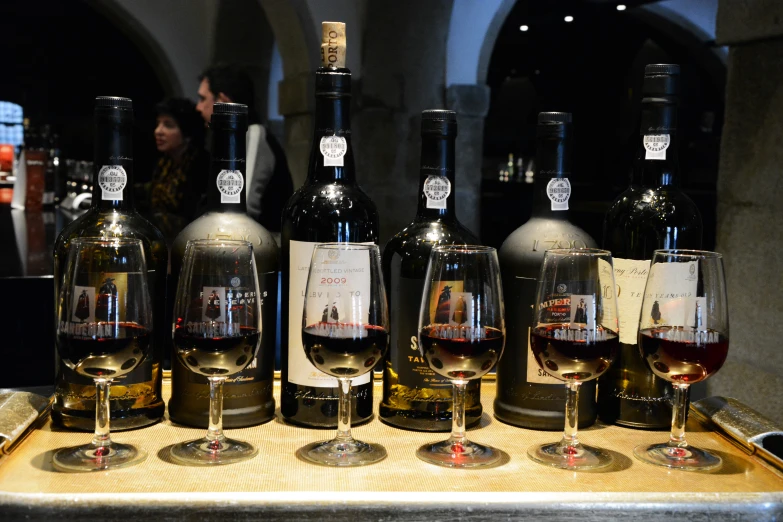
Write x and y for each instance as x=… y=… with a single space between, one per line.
x=328 y=301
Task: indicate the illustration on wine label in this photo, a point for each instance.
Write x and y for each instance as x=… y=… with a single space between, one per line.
x=112 y=180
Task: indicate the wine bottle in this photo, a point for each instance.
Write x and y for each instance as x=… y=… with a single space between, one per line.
x=136 y=398
x=526 y=395
x=329 y=207
x=415 y=397
x=247 y=395
x=651 y=213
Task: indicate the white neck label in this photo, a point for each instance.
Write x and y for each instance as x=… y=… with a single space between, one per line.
x=230 y=184
x=112 y=179
x=437 y=189
x=333 y=149
x=559 y=191
x=655 y=146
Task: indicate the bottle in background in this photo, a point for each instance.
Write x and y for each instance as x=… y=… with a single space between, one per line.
x=415 y=397
x=652 y=213
x=526 y=395
x=329 y=207
x=136 y=396
x=247 y=398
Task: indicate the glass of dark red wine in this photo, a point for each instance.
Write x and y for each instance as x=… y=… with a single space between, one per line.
x=104 y=323
x=461 y=336
x=575 y=339
x=684 y=339
x=217 y=333
x=345 y=331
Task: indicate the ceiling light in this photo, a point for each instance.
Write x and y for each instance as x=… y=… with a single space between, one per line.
x=523 y=28
x=569 y=18
x=621 y=7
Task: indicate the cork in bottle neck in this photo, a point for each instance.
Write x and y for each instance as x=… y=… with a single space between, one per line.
x=333 y=44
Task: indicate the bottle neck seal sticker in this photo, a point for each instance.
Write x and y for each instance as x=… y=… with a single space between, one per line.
x=230 y=184
x=436 y=190
x=333 y=149
x=112 y=179
x=655 y=146
x=558 y=190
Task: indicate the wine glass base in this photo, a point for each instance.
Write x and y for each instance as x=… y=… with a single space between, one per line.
x=687 y=458
x=579 y=457
x=205 y=452
x=342 y=453
x=91 y=458
x=458 y=455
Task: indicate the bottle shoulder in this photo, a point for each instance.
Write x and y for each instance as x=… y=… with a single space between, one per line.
x=114 y=224
x=523 y=250
x=327 y=197
x=230 y=225
x=414 y=243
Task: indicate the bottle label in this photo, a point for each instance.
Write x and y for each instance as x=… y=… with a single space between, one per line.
x=230 y=184
x=630 y=276
x=333 y=149
x=112 y=180
x=559 y=191
x=97 y=302
x=407 y=362
x=569 y=302
x=261 y=368
x=655 y=146
x=671 y=297
x=437 y=189
x=300 y=370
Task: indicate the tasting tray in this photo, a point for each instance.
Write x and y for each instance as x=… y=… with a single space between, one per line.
x=277 y=486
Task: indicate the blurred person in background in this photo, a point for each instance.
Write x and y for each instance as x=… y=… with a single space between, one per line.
x=177 y=190
x=268 y=183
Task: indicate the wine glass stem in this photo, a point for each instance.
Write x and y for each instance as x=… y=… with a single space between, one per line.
x=677 y=435
x=344 y=410
x=215 y=430
x=458 y=412
x=570 y=436
x=101 y=438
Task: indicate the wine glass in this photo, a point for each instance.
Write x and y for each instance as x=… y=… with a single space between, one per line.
x=344 y=333
x=461 y=336
x=575 y=340
x=683 y=338
x=104 y=325
x=217 y=333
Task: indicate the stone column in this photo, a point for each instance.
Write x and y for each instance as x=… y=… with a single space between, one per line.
x=750 y=217
x=471 y=102
x=297 y=105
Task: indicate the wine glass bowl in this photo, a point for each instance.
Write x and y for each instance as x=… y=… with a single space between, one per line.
x=575 y=339
x=103 y=332
x=345 y=333
x=461 y=337
x=684 y=339
x=217 y=333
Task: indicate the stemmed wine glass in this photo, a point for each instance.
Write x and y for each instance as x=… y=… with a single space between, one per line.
x=217 y=333
x=345 y=333
x=103 y=332
x=684 y=339
x=575 y=340
x=461 y=336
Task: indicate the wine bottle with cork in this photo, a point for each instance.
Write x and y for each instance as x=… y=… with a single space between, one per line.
x=329 y=207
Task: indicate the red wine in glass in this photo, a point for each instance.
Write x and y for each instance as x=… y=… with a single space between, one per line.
x=573 y=354
x=212 y=355
x=460 y=352
x=115 y=350
x=344 y=349
x=683 y=354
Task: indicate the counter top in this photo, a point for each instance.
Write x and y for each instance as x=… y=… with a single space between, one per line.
x=277 y=486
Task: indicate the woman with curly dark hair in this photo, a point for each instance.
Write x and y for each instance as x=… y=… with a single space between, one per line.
x=179 y=180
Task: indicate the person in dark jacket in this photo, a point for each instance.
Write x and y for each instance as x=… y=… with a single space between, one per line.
x=268 y=185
